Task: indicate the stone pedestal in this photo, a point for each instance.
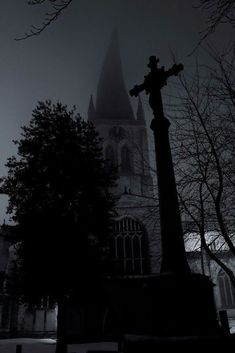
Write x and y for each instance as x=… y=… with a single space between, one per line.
x=184 y=306
x=192 y=344
x=164 y=305
x=173 y=251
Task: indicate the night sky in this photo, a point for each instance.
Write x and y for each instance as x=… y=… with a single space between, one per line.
x=64 y=62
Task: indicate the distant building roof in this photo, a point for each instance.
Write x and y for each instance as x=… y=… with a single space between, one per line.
x=112 y=101
x=213 y=238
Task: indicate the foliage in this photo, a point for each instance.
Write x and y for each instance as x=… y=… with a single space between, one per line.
x=59 y=195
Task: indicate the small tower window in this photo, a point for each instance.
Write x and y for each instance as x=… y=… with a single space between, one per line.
x=110 y=156
x=126 y=160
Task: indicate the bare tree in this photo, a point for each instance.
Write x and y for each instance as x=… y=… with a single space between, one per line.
x=218 y=11
x=56 y=8
x=204 y=148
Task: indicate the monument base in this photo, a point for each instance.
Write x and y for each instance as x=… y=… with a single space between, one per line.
x=184 y=306
x=166 y=305
x=151 y=344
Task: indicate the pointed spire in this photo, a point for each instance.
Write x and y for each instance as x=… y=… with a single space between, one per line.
x=91 y=110
x=140 y=112
x=112 y=98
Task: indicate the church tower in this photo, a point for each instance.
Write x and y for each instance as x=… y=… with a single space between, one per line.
x=125 y=145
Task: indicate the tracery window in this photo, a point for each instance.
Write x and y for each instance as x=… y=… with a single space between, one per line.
x=129 y=247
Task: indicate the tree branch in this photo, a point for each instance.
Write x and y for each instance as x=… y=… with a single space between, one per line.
x=49 y=19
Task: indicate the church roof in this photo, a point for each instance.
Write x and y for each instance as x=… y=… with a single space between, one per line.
x=112 y=100
x=91 y=110
x=213 y=239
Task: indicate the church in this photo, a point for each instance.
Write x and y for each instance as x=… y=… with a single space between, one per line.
x=136 y=243
x=125 y=145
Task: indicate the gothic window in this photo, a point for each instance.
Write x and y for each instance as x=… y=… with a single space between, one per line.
x=117 y=133
x=126 y=160
x=109 y=156
x=129 y=248
x=227 y=294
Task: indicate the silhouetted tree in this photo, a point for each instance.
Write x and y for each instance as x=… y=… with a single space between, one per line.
x=59 y=195
x=204 y=146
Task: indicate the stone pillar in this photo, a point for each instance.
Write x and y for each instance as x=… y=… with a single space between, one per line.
x=173 y=251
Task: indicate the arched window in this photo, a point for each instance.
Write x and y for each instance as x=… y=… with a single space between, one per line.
x=129 y=247
x=227 y=294
x=110 y=156
x=126 y=160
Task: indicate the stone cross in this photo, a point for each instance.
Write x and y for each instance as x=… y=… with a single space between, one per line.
x=173 y=251
x=153 y=83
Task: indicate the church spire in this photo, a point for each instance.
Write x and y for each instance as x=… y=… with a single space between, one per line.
x=112 y=98
x=91 y=110
x=140 y=112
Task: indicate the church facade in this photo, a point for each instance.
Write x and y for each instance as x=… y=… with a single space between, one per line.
x=125 y=145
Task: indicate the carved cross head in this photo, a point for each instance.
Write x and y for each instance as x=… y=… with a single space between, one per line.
x=153 y=61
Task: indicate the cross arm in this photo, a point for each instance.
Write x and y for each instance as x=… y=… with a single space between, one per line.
x=174 y=70
x=137 y=89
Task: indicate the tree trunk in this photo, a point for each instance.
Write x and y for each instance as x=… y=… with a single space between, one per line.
x=61 y=345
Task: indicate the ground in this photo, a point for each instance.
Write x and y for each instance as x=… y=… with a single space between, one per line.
x=30 y=345
x=47 y=345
